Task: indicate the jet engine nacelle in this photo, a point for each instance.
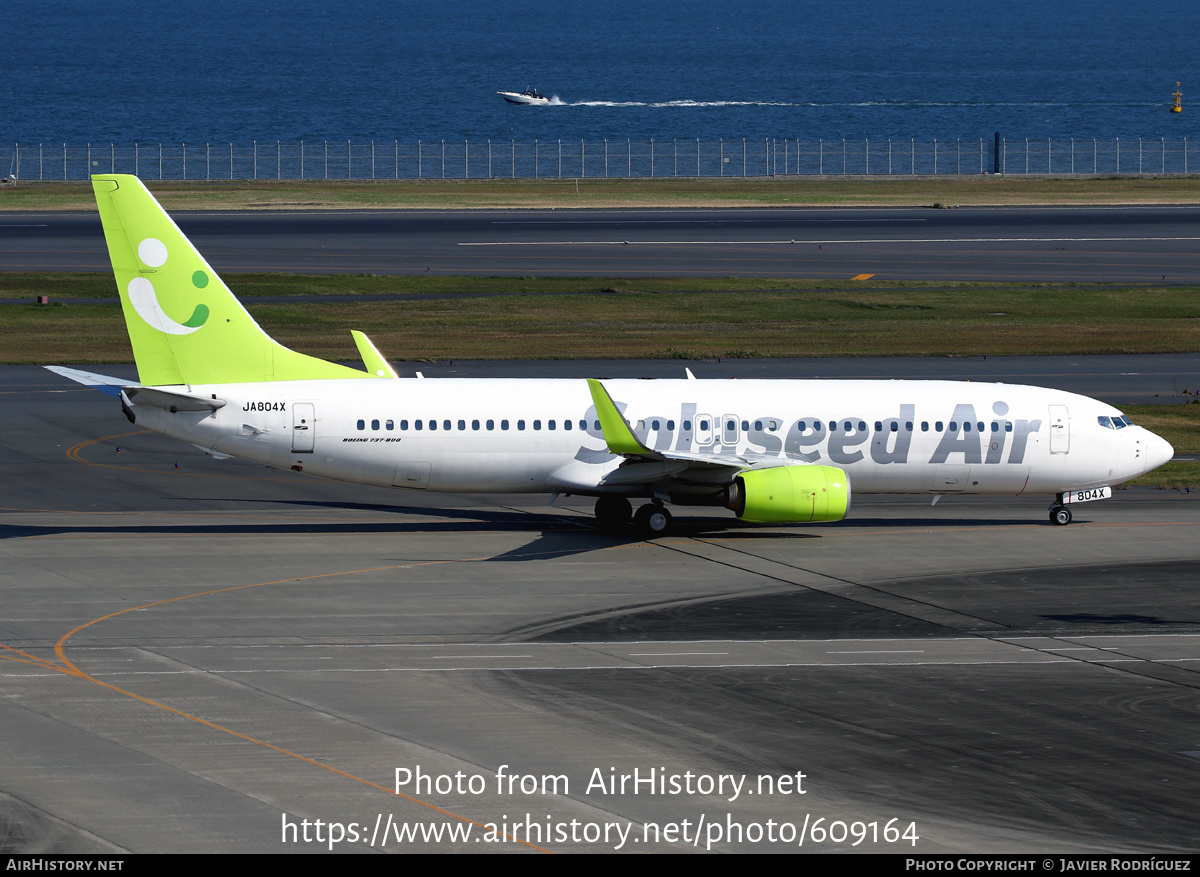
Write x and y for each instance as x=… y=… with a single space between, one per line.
x=790 y=495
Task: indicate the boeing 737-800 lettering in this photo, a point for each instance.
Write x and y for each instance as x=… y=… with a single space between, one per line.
x=773 y=451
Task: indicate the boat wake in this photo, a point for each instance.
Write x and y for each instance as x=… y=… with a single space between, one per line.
x=683 y=103
x=900 y=104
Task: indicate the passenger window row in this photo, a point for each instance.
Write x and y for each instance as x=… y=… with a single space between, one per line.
x=475 y=425
x=704 y=425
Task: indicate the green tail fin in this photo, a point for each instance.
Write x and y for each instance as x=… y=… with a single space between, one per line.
x=185 y=325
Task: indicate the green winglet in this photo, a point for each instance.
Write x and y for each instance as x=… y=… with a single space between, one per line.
x=184 y=324
x=371 y=357
x=617 y=434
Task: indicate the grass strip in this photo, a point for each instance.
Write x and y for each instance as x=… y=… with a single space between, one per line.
x=807 y=320
x=829 y=191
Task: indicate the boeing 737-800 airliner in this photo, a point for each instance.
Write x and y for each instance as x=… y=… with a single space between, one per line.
x=773 y=451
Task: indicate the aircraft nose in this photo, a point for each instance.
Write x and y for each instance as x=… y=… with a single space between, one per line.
x=1158 y=451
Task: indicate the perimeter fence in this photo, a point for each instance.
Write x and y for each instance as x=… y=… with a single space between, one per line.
x=591 y=159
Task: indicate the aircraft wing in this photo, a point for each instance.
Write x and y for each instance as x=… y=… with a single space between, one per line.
x=621 y=440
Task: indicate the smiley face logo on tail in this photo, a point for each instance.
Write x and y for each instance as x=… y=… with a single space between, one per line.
x=144 y=298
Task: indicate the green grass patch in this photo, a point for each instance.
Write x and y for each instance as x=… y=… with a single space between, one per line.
x=1172 y=476
x=521 y=318
x=893 y=191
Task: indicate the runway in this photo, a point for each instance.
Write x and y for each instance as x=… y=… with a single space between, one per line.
x=1068 y=244
x=201 y=655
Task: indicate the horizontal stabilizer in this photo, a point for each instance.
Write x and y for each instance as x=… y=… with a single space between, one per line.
x=103 y=383
x=171 y=401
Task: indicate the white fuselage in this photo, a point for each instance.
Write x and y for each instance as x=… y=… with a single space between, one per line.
x=529 y=435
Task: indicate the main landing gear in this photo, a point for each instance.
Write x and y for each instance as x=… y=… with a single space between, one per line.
x=652 y=520
x=614 y=512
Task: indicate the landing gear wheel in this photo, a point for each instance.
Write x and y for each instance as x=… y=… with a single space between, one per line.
x=1060 y=515
x=613 y=512
x=652 y=520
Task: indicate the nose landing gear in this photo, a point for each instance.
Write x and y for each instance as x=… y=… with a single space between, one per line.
x=1060 y=515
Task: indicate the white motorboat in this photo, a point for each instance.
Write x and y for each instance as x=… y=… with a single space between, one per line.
x=528 y=97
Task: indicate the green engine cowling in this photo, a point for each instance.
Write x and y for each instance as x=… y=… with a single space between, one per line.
x=790 y=495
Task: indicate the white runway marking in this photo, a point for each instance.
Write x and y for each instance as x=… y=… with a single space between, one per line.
x=709 y=243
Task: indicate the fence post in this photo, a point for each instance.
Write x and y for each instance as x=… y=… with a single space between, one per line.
x=513 y=144
x=821 y=157
x=372 y=159
x=302 y=159
x=1072 y=156
x=207 y=161
x=606 y=158
x=65 y=162
x=231 y=160
x=159 y=159
x=396 y=158
x=628 y=159
x=326 y=159
x=560 y=158
x=697 y=158
x=743 y=157
x=843 y=156
x=935 y=156
x=466 y=159
x=889 y=156
x=1026 y=156
x=867 y=156
x=443 y=159
x=418 y=159
x=183 y=150
x=112 y=158
x=652 y=157
x=1118 y=155
x=136 y=169
x=535 y=158
x=489 y=158
x=582 y=158
x=722 y=156
x=278 y=163
x=1139 y=155
x=255 y=142
x=675 y=156
x=912 y=155
x=1164 y=155
x=1049 y=152
x=349 y=169
x=89 y=161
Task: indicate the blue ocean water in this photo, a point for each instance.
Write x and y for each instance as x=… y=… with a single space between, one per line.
x=228 y=70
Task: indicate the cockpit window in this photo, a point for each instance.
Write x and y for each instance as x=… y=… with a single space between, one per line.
x=1118 y=422
x=1106 y=422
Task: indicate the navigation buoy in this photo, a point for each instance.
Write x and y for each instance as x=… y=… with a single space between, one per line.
x=1177 y=106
